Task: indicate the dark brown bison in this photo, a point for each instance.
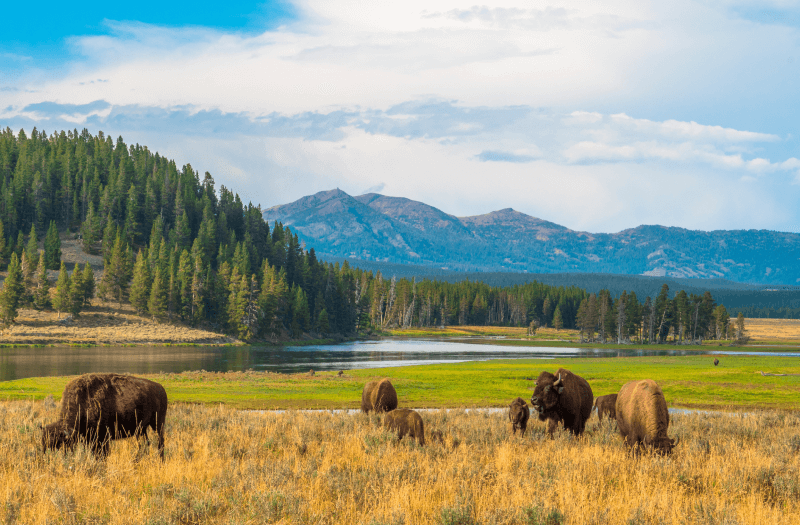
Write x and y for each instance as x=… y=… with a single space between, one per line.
x=96 y=408
x=716 y=361
x=606 y=405
x=642 y=416
x=405 y=422
x=379 y=396
x=518 y=414
x=563 y=397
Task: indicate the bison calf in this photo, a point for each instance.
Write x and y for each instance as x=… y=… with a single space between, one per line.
x=606 y=405
x=378 y=396
x=564 y=397
x=96 y=408
x=518 y=414
x=642 y=416
x=405 y=422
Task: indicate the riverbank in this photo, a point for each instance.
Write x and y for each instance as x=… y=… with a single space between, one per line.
x=228 y=466
x=688 y=382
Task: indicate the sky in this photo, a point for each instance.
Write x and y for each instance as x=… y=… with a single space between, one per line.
x=596 y=115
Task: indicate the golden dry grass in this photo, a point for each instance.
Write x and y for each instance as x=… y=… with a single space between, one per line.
x=103 y=323
x=232 y=467
x=783 y=330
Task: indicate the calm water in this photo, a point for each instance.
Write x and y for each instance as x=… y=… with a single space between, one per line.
x=16 y=363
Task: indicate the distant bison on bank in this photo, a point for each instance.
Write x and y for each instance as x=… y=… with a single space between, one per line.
x=642 y=416
x=563 y=397
x=378 y=396
x=606 y=406
x=97 y=408
x=716 y=361
x=518 y=414
x=405 y=422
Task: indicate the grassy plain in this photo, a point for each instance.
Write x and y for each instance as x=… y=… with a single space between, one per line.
x=225 y=466
x=775 y=331
x=687 y=381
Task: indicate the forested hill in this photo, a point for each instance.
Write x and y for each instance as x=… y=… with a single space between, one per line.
x=176 y=247
x=375 y=227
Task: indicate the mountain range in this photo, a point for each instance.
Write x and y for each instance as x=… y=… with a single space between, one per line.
x=374 y=227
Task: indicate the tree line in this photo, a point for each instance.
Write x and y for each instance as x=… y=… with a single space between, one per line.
x=176 y=247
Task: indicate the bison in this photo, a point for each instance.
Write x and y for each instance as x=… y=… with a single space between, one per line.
x=518 y=414
x=716 y=361
x=563 y=397
x=642 y=416
x=405 y=422
x=96 y=408
x=606 y=405
x=379 y=396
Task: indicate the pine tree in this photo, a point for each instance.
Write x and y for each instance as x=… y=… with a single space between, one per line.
x=52 y=248
x=33 y=245
x=157 y=303
x=110 y=235
x=2 y=242
x=117 y=274
x=185 y=278
x=322 y=322
x=28 y=285
x=198 y=291
x=558 y=322
x=13 y=289
x=91 y=230
x=61 y=301
x=19 y=247
x=141 y=285
x=76 y=292
x=41 y=299
x=88 y=284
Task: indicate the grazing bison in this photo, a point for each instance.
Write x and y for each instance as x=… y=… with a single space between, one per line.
x=642 y=416
x=96 y=408
x=606 y=405
x=518 y=414
x=405 y=422
x=379 y=396
x=716 y=361
x=563 y=397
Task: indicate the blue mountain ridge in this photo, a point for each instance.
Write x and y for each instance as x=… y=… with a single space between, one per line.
x=374 y=227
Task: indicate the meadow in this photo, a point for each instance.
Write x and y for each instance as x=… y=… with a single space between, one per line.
x=225 y=466
x=687 y=381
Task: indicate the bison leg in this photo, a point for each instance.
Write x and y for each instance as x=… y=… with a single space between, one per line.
x=524 y=427
x=551 y=426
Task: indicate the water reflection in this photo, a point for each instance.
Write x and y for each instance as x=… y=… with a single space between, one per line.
x=16 y=363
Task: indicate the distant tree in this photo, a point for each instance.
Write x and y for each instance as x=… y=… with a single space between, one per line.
x=141 y=285
x=52 y=248
x=721 y=320
x=61 y=300
x=558 y=321
x=157 y=303
x=13 y=289
x=33 y=245
x=76 y=291
x=41 y=297
x=117 y=273
x=88 y=284
x=532 y=326
x=91 y=231
x=28 y=267
x=19 y=247
x=323 y=323
x=741 y=333
x=2 y=242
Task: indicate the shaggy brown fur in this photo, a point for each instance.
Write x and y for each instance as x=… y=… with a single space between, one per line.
x=606 y=405
x=642 y=416
x=96 y=408
x=518 y=414
x=405 y=422
x=716 y=361
x=379 y=396
x=563 y=397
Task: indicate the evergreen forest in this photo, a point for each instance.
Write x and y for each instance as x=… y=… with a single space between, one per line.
x=176 y=247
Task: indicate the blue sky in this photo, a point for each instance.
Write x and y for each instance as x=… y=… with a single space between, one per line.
x=592 y=114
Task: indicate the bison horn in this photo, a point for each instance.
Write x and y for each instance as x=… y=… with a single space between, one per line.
x=558 y=383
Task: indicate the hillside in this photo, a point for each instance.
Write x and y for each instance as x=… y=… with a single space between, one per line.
x=375 y=227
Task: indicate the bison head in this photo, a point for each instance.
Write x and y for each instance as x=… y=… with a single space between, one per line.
x=546 y=394
x=662 y=445
x=54 y=436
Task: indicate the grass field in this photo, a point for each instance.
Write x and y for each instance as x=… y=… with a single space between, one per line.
x=780 y=331
x=687 y=381
x=225 y=466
